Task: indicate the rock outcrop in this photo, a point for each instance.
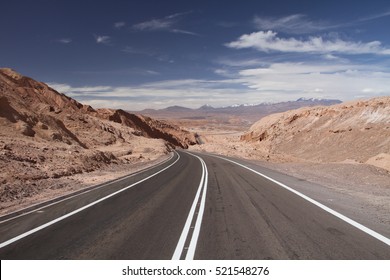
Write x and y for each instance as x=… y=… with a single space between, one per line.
x=355 y=131
x=149 y=127
x=36 y=110
x=47 y=135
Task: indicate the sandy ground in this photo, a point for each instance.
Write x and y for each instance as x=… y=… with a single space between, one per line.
x=68 y=184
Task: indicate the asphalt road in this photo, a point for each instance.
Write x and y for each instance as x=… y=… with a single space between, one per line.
x=192 y=206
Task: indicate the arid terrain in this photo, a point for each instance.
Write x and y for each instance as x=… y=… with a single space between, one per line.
x=354 y=132
x=51 y=144
x=343 y=148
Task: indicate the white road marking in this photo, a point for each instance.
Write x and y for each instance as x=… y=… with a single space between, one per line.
x=195 y=235
x=194 y=239
x=12 y=240
x=78 y=194
x=320 y=205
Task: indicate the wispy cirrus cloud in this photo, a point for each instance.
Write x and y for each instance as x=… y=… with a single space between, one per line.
x=302 y=24
x=152 y=72
x=154 y=25
x=148 y=52
x=119 y=24
x=101 y=39
x=375 y=16
x=167 y=24
x=64 y=40
x=292 y=24
x=228 y=24
x=240 y=62
x=144 y=51
x=270 y=42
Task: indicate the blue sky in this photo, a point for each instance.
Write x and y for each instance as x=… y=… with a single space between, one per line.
x=153 y=54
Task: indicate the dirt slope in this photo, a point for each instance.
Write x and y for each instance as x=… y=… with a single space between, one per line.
x=349 y=132
x=148 y=127
x=45 y=135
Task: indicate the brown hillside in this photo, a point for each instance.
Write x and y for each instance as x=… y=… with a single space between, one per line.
x=46 y=135
x=354 y=132
x=149 y=127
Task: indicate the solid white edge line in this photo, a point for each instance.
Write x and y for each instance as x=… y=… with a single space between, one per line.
x=320 y=205
x=14 y=239
x=194 y=240
x=186 y=228
x=78 y=194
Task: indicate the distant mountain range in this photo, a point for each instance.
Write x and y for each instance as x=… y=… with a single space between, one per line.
x=248 y=113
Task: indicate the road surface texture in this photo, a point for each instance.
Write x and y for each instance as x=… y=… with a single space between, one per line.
x=193 y=206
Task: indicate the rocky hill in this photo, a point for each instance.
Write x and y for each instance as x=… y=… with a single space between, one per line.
x=349 y=132
x=45 y=134
x=36 y=110
x=148 y=127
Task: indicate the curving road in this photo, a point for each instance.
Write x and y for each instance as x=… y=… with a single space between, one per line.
x=193 y=206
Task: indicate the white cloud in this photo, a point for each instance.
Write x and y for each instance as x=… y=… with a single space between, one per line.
x=269 y=41
x=151 y=72
x=340 y=81
x=222 y=72
x=191 y=93
x=181 y=31
x=119 y=24
x=167 y=23
x=302 y=24
x=368 y=90
x=293 y=24
x=76 y=90
x=154 y=25
x=274 y=83
x=240 y=62
x=65 y=40
x=100 y=39
x=60 y=87
x=373 y=17
x=330 y=56
x=148 y=52
x=143 y=51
